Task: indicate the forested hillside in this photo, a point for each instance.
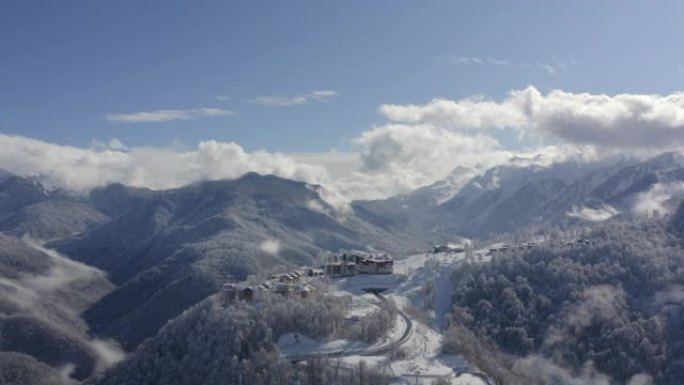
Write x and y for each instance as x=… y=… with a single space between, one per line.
x=42 y=294
x=210 y=344
x=167 y=250
x=608 y=297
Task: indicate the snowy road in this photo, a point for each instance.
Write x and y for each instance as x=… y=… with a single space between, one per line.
x=347 y=350
x=392 y=345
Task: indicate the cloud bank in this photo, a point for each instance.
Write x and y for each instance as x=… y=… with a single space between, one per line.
x=630 y=121
x=414 y=147
x=401 y=157
x=81 y=169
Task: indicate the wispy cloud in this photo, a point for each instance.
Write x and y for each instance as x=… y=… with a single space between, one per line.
x=476 y=61
x=113 y=144
x=223 y=98
x=157 y=116
x=294 y=100
x=551 y=66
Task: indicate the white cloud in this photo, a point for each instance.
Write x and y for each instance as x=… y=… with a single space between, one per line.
x=551 y=66
x=474 y=113
x=289 y=101
x=551 y=373
x=418 y=145
x=36 y=294
x=168 y=115
x=81 y=169
x=322 y=94
x=477 y=61
x=593 y=215
x=116 y=144
x=634 y=121
x=400 y=157
x=338 y=164
x=280 y=101
x=640 y=379
x=656 y=199
x=113 y=144
x=109 y=352
x=270 y=246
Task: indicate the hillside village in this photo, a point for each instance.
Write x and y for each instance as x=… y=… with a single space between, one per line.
x=363 y=282
x=299 y=282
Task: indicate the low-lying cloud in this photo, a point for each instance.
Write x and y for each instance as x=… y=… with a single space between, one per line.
x=593 y=214
x=109 y=352
x=660 y=199
x=270 y=246
x=81 y=169
x=42 y=296
x=552 y=373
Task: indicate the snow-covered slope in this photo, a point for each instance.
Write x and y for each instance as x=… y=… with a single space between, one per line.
x=167 y=250
x=445 y=189
x=527 y=192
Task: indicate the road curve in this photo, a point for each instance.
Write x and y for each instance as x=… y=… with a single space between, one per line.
x=365 y=352
x=393 y=345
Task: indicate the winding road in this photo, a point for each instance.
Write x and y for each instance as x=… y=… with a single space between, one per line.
x=392 y=345
x=380 y=350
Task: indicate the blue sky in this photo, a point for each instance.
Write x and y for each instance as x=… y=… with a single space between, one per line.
x=68 y=65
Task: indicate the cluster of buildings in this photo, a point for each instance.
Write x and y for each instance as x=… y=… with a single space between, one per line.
x=448 y=249
x=580 y=242
x=297 y=283
x=348 y=264
x=451 y=249
x=506 y=247
x=289 y=284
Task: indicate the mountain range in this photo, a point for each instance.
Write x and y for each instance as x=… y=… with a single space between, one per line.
x=516 y=195
x=81 y=274
x=167 y=250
